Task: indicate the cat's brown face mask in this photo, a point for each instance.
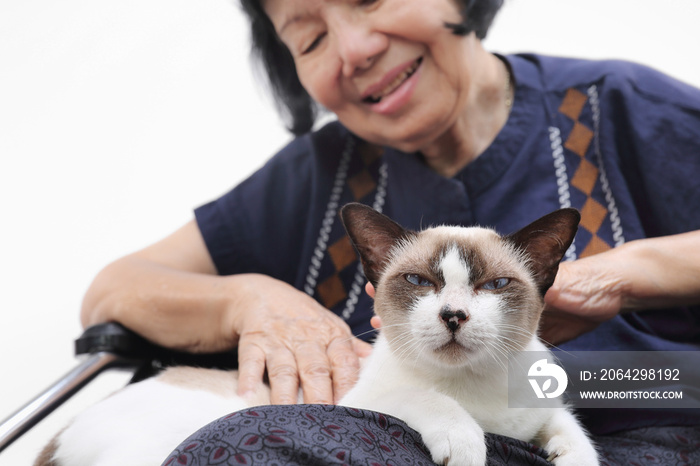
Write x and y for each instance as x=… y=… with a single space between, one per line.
x=459 y=294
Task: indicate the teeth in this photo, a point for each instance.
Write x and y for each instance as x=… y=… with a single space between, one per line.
x=374 y=98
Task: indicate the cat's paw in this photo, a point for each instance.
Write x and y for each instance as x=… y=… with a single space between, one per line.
x=456 y=445
x=564 y=452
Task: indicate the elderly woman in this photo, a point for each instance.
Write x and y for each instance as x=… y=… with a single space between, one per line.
x=432 y=129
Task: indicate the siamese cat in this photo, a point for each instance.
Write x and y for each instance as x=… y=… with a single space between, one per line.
x=455 y=304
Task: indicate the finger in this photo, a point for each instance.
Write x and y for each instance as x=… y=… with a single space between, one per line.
x=553 y=338
x=314 y=373
x=345 y=365
x=376 y=322
x=362 y=348
x=283 y=376
x=554 y=300
x=251 y=367
x=549 y=336
x=555 y=331
x=369 y=289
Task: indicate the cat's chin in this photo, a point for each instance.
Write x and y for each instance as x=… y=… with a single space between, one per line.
x=453 y=353
x=457 y=354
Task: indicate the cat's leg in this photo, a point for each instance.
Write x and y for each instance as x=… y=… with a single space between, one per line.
x=450 y=433
x=566 y=441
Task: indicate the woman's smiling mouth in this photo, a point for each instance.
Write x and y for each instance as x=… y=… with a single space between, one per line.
x=374 y=94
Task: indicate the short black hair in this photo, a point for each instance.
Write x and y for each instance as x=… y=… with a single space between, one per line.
x=295 y=105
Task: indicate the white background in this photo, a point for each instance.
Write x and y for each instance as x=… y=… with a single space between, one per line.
x=118 y=117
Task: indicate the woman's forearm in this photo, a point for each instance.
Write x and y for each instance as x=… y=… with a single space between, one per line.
x=662 y=272
x=651 y=273
x=169 y=293
x=173 y=308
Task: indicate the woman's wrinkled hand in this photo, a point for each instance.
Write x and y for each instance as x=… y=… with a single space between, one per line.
x=651 y=273
x=585 y=293
x=298 y=342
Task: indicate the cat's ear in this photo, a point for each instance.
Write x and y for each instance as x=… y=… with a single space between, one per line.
x=545 y=242
x=372 y=235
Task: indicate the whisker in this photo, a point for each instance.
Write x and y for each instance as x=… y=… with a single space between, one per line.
x=405 y=347
x=551 y=345
x=501 y=363
x=374 y=330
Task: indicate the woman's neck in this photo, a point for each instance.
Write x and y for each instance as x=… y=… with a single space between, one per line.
x=485 y=113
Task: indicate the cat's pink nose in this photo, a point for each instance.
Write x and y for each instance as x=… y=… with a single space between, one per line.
x=453 y=319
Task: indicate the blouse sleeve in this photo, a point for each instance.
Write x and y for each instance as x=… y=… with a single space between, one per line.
x=266 y=223
x=657 y=132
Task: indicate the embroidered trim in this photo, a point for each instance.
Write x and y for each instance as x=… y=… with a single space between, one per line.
x=360 y=279
x=618 y=235
x=329 y=217
x=562 y=179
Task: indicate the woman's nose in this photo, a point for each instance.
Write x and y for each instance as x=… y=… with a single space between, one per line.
x=358 y=45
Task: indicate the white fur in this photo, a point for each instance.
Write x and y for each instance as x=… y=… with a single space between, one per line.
x=140 y=425
x=455 y=270
x=452 y=408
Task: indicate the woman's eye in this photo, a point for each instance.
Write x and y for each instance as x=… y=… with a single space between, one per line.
x=314 y=44
x=415 y=279
x=496 y=284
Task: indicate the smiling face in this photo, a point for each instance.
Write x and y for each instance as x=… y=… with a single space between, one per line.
x=389 y=69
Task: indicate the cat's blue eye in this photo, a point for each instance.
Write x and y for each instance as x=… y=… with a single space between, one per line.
x=496 y=284
x=415 y=279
